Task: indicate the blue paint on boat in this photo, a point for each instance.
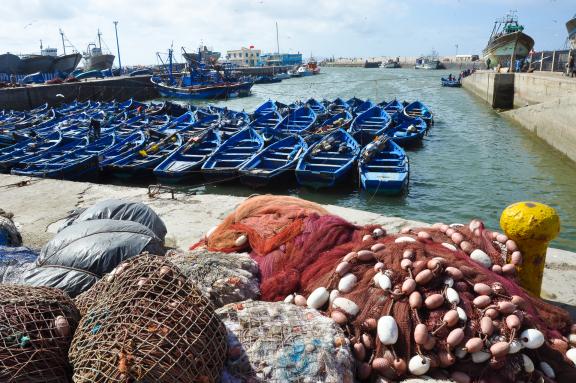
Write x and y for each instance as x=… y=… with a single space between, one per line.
x=359 y=109
x=12 y=155
x=383 y=167
x=418 y=109
x=273 y=163
x=455 y=83
x=296 y=122
x=337 y=106
x=225 y=162
x=341 y=120
x=329 y=161
x=369 y=124
x=267 y=107
x=186 y=161
x=407 y=131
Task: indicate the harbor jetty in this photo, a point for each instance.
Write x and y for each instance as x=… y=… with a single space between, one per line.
x=107 y=89
x=541 y=102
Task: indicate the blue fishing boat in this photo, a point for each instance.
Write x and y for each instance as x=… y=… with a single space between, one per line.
x=383 y=167
x=354 y=102
x=185 y=163
x=341 y=120
x=225 y=162
x=80 y=164
x=328 y=161
x=273 y=163
x=133 y=142
x=267 y=107
x=337 y=106
x=454 y=83
x=394 y=108
x=12 y=155
x=296 y=122
x=231 y=122
x=407 y=131
x=369 y=124
x=265 y=124
x=418 y=109
x=89 y=74
x=316 y=106
x=361 y=108
x=143 y=161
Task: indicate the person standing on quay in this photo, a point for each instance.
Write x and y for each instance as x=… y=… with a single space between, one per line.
x=572 y=68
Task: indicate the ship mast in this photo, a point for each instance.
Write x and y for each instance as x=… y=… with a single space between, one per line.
x=99 y=40
x=63 y=45
x=277 y=40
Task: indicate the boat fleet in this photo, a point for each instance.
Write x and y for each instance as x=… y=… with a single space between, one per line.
x=320 y=144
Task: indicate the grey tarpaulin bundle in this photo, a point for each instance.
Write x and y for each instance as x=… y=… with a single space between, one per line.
x=82 y=253
x=149 y=324
x=281 y=342
x=226 y=278
x=121 y=211
x=36 y=328
x=9 y=235
x=14 y=262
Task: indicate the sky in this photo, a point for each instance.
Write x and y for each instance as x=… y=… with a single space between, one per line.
x=322 y=28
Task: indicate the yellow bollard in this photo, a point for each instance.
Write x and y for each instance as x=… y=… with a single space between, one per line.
x=531 y=225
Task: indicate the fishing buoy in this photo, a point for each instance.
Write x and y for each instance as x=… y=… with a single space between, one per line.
x=387 y=330
x=419 y=365
x=318 y=298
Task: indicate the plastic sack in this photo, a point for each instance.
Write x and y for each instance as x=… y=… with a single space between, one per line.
x=82 y=253
x=9 y=235
x=122 y=211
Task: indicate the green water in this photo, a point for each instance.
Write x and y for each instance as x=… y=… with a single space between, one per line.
x=473 y=164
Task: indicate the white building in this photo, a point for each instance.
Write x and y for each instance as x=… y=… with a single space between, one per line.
x=244 y=57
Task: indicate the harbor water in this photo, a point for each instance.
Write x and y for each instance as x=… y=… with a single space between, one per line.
x=473 y=163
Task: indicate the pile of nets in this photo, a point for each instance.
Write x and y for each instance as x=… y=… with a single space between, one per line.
x=145 y=322
x=224 y=278
x=440 y=300
x=9 y=235
x=78 y=256
x=36 y=328
x=278 y=342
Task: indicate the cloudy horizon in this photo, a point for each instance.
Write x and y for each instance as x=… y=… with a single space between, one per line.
x=363 y=28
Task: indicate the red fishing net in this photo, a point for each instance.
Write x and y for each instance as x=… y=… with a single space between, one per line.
x=436 y=300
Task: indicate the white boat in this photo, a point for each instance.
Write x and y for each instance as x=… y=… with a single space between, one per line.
x=507 y=41
x=428 y=62
x=95 y=59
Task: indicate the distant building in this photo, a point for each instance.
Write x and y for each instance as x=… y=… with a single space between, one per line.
x=244 y=57
x=282 y=58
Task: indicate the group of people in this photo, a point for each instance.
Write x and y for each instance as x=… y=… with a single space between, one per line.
x=453 y=78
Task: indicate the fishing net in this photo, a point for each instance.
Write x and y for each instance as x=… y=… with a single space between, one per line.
x=9 y=235
x=36 y=328
x=267 y=221
x=148 y=323
x=279 y=342
x=224 y=278
x=441 y=297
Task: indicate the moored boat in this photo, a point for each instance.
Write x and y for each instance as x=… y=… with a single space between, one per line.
x=273 y=163
x=337 y=106
x=507 y=43
x=185 y=163
x=329 y=161
x=12 y=155
x=341 y=120
x=296 y=122
x=383 y=167
x=451 y=83
x=224 y=163
x=369 y=124
x=266 y=107
x=418 y=109
x=407 y=131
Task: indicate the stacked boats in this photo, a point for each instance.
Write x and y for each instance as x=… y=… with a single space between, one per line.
x=319 y=143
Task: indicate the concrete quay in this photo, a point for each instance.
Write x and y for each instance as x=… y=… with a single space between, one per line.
x=114 y=88
x=41 y=205
x=541 y=102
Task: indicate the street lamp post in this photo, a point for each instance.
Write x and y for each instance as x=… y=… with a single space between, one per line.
x=118 y=46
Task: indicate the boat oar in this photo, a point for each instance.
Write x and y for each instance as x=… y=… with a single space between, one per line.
x=152 y=148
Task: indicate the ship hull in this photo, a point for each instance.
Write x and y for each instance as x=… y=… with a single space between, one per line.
x=9 y=63
x=35 y=64
x=101 y=62
x=67 y=63
x=500 y=49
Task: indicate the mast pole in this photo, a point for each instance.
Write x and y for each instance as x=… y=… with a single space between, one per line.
x=63 y=45
x=277 y=41
x=99 y=40
x=118 y=46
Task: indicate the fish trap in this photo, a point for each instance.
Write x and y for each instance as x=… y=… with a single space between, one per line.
x=148 y=323
x=36 y=328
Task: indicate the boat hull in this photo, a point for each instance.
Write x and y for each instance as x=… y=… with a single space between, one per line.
x=500 y=50
x=35 y=64
x=66 y=63
x=100 y=62
x=82 y=170
x=9 y=63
